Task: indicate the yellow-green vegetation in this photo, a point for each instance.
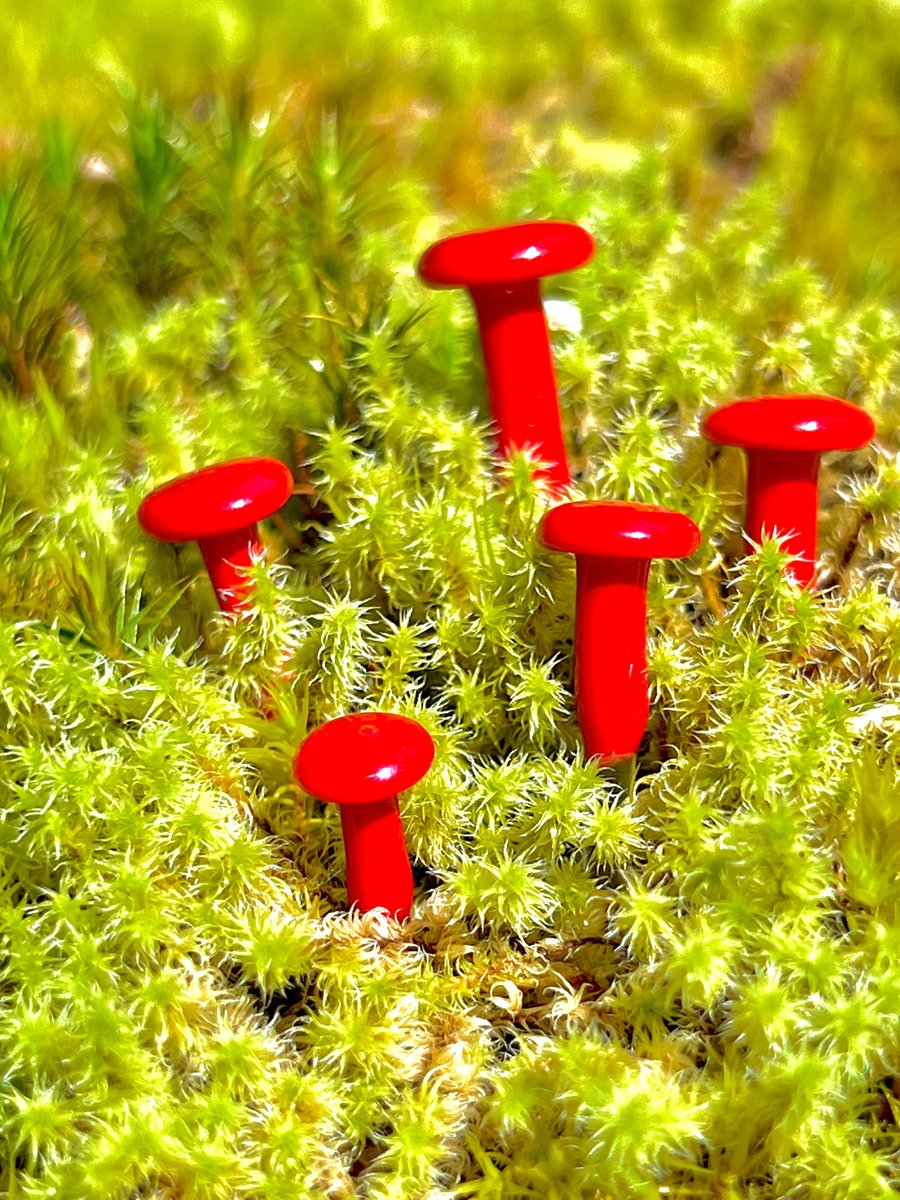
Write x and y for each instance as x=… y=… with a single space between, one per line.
x=685 y=984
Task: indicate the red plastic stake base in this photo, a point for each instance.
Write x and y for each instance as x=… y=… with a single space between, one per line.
x=378 y=870
x=520 y=378
x=227 y=560
x=611 y=696
x=783 y=501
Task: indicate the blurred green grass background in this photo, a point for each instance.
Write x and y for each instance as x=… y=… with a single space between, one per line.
x=468 y=95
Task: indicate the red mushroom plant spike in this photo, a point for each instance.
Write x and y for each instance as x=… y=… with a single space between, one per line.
x=785 y=437
x=218 y=507
x=502 y=268
x=613 y=544
x=361 y=762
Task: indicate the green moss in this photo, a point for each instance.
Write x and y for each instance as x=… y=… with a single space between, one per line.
x=678 y=983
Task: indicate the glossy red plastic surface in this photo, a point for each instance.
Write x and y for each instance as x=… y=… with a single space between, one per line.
x=611 y=693
x=501 y=268
x=784 y=437
x=378 y=871
x=218 y=507
x=521 y=384
x=360 y=762
x=227 y=559
x=783 y=500
x=506 y=254
x=364 y=757
x=216 y=500
x=800 y=422
x=616 y=529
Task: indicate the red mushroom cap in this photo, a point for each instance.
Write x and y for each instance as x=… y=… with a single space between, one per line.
x=814 y=423
x=615 y=529
x=364 y=757
x=507 y=254
x=216 y=500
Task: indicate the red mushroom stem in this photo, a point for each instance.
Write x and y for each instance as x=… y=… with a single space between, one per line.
x=783 y=501
x=228 y=559
x=521 y=382
x=611 y=694
x=378 y=870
